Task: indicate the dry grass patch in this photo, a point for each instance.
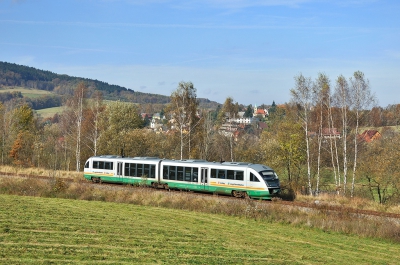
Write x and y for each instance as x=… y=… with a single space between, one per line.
x=34 y=171
x=343 y=201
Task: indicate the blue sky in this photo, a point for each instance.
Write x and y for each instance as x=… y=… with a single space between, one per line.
x=249 y=50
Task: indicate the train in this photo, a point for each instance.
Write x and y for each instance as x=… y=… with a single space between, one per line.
x=238 y=179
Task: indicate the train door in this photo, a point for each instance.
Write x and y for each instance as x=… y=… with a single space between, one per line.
x=204 y=178
x=120 y=171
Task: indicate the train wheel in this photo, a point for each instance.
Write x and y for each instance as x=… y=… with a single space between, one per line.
x=239 y=194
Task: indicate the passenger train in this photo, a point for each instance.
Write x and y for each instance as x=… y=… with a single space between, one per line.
x=238 y=179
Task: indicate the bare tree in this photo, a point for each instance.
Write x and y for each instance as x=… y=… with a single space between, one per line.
x=362 y=99
x=183 y=110
x=333 y=142
x=206 y=135
x=343 y=101
x=95 y=110
x=302 y=95
x=321 y=92
x=75 y=106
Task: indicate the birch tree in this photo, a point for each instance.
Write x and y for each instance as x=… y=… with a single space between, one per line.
x=206 y=135
x=302 y=96
x=92 y=124
x=72 y=121
x=183 y=110
x=362 y=99
x=321 y=93
x=343 y=101
x=3 y=131
x=333 y=142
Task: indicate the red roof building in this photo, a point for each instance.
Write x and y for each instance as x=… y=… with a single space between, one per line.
x=369 y=136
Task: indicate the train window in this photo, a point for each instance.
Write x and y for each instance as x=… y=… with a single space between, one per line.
x=213 y=173
x=95 y=164
x=101 y=164
x=126 y=169
x=146 y=170
x=108 y=165
x=195 y=174
x=172 y=172
x=139 y=170
x=180 y=173
x=133 y=170
x=87 y=164
x=253 y=178
x=152 y=172
x=188 y=174
x=165 y=172
x=231 y=174
x=239 y=175
x=221 y=173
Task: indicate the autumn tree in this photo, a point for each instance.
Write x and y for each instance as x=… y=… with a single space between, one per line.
x=302 y=96
x=342 y=100
x=229 y=109
x=284 y=150
x=3 y=131
x=183 y=111
x=91 y=123
x=321 y=95
x=380 y=168
x=73 y=118
x=362 y=99
x=22 y=149
x=206 y=135
x=228 y=112
x=117 y=120
x=23 y=126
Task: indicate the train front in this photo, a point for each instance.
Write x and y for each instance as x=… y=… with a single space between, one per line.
x=272 y=181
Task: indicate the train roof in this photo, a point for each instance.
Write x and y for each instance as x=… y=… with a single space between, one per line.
x=200 y=162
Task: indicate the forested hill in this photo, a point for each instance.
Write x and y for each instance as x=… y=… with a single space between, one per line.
x=24 y=76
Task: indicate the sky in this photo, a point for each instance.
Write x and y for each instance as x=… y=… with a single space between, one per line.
x=249 y=50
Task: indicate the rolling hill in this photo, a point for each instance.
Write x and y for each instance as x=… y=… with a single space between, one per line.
x=14 y=75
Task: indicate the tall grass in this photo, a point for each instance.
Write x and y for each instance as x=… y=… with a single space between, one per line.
x=322 y=218
x=36 y=171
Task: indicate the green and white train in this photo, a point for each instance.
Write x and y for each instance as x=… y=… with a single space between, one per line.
x=233 y=178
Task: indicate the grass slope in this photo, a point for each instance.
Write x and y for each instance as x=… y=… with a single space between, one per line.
x=49 y=112
x=59 y=231
x=27 y=92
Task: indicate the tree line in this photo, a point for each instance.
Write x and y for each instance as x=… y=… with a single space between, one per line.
x=298 y=143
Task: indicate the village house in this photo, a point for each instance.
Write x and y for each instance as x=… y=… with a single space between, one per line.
x=260 y=112
x=369 y=136
x=327 y=133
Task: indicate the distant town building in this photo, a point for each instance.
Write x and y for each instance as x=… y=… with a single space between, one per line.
x=369 y=136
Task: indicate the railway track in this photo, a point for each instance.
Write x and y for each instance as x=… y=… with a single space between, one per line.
x=316 y=205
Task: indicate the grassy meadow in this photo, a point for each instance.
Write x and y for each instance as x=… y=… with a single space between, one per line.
x=27 y=92
x=36 y=230
x=49 y=112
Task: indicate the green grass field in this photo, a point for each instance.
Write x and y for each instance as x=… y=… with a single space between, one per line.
x=26 y=92
x=37 y=230
x=49 y=112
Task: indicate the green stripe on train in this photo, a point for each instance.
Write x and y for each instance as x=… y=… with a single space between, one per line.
x=260 y=194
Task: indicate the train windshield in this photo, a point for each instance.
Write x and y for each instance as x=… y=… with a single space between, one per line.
x=270 y=177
